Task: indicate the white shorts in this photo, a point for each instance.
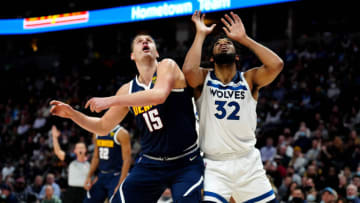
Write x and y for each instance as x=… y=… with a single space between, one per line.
x=243 y=178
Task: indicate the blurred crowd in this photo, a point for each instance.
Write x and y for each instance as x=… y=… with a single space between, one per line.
x=308 y=120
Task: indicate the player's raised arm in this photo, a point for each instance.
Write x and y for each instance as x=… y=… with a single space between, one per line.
x=100 y=126
x=55 y=133
x=272 y=63
x=195 y=75
x=168 y=77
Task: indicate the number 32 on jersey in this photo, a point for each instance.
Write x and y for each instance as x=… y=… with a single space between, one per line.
x=222 y=113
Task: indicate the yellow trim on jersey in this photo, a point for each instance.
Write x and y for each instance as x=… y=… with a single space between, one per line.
x=154 y=79
x=141 y=109
x=105 y=143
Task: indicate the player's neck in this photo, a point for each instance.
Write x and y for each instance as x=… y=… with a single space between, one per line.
x=81 y=158
x=225 y=73
x=146 y=70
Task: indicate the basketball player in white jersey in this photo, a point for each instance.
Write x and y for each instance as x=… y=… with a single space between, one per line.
x=226 y=101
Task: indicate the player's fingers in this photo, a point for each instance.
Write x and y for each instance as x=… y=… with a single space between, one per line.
x=225 y=23
x=231 y=21
x=238 y=18
x=54 y=128
x=88 y=103
x=194 y=14
x=202 y=17
x=226 y=31
x=91 y=107
x=212 y=26
x=55 y=102
x=52 y=110
x=235 y=17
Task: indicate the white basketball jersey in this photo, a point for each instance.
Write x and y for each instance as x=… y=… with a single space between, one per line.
x=227 y=117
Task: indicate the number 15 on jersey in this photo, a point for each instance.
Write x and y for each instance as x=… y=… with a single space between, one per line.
x=153 y=120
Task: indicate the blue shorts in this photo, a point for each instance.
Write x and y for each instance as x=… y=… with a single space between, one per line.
x=149 y=178
x=103 y=188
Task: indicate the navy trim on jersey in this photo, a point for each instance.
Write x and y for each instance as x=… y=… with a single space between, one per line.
x=240 y=87
x=217 y=196
x=237 y=77
x=261 y=197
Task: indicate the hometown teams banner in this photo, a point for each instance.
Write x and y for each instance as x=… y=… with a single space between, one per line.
x=123 y=14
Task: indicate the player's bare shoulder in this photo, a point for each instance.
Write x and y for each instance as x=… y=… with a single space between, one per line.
x=124 y=89
x=175 y=71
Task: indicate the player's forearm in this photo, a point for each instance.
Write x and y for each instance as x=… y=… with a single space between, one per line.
x=142 y=98
x=93 y=166
x=57 y=149
x=125 y=170
x=265 y=55
x=193 y=58
x=91 y=124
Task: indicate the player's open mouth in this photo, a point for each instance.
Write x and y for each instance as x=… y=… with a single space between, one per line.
x=146 y=48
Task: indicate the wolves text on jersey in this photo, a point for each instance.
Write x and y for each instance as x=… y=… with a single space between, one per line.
x=227 y=94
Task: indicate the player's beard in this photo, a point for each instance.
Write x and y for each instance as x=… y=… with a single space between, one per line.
x=224 y=58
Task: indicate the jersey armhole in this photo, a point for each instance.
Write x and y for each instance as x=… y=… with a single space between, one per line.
x=116 y=134
x=199 y=100
x=247 y=86
x=130 y=91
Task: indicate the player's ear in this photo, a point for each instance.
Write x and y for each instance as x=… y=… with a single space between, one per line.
x=132 y=56
x=237 y=58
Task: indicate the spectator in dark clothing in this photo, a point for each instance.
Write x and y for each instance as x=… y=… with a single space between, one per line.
x=6 y=196
x=33 y=190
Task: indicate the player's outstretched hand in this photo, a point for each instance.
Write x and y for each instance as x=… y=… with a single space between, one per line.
x=98 y=104
x=61 y=109
x=198 y=20
x=234 y=28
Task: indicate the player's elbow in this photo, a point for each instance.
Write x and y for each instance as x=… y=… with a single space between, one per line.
x=279 y=65
x=188 y=77
x=102 y=131
x=159 y=100
x=103 y=127
x=60 y=155
x=187 y=69
x=160 y=97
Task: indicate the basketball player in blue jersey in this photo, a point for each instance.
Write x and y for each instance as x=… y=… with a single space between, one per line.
x=161 y=103
x=112 y=156
x=226 y=102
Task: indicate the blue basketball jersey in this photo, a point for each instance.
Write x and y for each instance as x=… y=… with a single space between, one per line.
x=110 y=155
x=166 y=129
